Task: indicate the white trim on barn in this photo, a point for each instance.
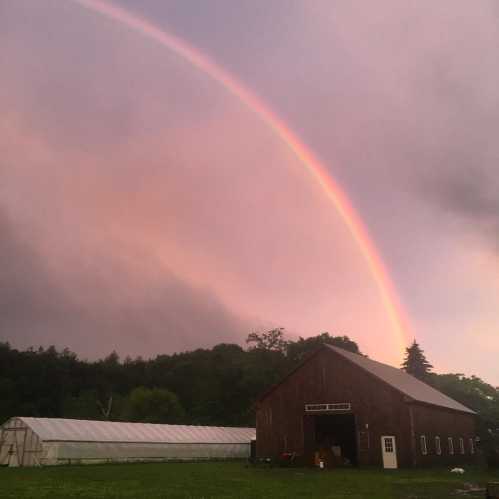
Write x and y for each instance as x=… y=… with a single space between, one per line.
x=48 y=441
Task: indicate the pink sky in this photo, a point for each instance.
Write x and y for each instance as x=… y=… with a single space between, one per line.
x=146 y=210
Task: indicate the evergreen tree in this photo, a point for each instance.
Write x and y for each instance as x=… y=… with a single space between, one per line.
x=415 y=362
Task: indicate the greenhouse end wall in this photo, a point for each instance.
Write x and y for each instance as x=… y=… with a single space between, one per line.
x=19 y=445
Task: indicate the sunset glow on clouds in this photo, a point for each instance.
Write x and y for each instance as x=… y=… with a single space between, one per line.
x=146 y=209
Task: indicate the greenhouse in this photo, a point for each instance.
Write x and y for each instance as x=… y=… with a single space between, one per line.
x=50 y=441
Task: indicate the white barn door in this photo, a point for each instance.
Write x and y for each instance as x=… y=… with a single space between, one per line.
x=389 y=451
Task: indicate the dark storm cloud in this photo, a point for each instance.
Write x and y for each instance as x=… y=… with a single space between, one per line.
x=27 y=291
x=164 y=315
x=468 y=195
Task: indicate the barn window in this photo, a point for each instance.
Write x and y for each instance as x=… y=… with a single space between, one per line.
x=461 y=444
x=438 y=447
x=388 y=444
x=450 y=443
x=424 y=449
x=472 y=446
x=344 y=406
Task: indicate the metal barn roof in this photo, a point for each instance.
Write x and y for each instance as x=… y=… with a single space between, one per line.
x=75 y=430
x=403 y=382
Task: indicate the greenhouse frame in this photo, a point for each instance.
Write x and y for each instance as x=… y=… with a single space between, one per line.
x=49 y=441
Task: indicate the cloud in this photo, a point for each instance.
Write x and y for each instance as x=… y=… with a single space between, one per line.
x=105 y=305
x=23 y=279
x=138 y=179
x=468 y=196
x=133 y=179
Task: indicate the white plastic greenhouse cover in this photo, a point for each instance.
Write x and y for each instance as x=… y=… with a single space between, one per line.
x=26 y=441
x=77 y=430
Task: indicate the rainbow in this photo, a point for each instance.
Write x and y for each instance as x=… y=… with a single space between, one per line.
x=329 y=186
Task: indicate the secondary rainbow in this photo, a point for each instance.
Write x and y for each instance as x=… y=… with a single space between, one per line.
x=329 y=186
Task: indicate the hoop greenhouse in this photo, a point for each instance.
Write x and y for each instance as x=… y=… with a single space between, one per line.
x=48 y=441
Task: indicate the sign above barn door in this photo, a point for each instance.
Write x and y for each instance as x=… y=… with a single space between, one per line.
x=337 y=407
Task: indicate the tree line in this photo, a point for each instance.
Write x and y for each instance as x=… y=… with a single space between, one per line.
x=215 y=386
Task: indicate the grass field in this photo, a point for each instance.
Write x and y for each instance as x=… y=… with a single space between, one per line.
x=231 y=480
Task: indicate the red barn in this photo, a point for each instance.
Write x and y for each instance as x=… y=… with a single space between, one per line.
x=346 y=409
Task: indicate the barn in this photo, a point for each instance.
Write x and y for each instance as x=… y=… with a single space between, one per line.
x=345 y=409
x=49 y=441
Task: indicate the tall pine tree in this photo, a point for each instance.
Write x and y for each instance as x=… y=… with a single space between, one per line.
x=415 y=362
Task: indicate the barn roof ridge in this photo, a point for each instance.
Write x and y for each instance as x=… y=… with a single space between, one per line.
x=401 y=381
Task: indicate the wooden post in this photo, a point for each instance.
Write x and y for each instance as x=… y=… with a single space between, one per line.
x=24 y=446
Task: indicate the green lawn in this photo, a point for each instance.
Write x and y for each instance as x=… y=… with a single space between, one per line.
x=231 y=480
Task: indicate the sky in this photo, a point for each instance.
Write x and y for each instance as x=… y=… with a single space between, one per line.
x=144 y=208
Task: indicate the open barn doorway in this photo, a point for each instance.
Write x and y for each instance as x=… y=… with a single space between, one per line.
x=335 y=440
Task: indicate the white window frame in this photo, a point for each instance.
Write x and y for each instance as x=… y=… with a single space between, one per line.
x=438 y=446
x=336 y=407
x=388 y=445
x=472 y=446
x=461 y=445
x=423 y=445
x=450 y=445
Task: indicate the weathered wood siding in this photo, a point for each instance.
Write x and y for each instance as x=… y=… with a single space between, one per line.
x=283 y=426
x=329 y=378
x=436 y=422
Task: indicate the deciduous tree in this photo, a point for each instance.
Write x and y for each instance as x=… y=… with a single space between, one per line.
x=153 y=405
